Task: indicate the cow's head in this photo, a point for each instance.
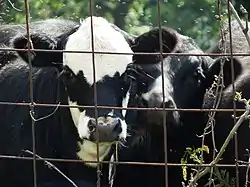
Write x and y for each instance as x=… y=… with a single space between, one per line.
x=186 y=78
x=77 y=75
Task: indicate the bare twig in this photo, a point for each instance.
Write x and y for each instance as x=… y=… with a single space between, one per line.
x=13 y=6
x=245 y=15
x=244 y=30
x=242 y=118
x=201 y=173
x=52 y=166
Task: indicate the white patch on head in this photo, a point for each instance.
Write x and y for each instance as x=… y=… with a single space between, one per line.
x=82 y=126
x=88 y=149
x=75 y=113
x=125 y=103
x=80 y=120
x=156 y=90
x=111 y=113
x=106 y=39
x=123 y=134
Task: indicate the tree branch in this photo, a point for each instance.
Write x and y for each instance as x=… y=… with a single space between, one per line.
x=244 y=30
x=242 y=118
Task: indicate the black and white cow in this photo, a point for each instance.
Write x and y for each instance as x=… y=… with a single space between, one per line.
x=65 y=78
x=186 y=79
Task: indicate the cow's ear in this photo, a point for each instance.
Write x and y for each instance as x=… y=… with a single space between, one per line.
x=150 y=42
x=38 y=58
x=215 y=68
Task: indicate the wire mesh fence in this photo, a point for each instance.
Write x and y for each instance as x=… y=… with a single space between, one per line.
x=31 y=104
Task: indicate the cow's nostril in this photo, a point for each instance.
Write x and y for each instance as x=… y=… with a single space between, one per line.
x=91 y=126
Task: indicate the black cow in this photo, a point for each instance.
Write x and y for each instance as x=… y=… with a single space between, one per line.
x=238 y=39
x=186 y=79
x=57 y=27
x=242 y=83
x=64 y=78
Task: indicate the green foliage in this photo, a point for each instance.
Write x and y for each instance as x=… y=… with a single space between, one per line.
x=238 y=97
x=195 y=155
x=196 y=18
x=221 y=178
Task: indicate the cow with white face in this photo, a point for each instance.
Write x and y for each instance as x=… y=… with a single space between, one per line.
x=109 y=83
x=67 y=78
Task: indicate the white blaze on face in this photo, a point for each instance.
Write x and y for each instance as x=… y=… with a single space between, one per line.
x=106 y=39
x=125 y=103
x=155 y=91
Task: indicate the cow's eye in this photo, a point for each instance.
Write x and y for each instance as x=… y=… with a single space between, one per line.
x=198 y=75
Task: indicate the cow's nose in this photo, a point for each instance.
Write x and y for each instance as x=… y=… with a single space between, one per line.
x=108 y=130
x=156 y=116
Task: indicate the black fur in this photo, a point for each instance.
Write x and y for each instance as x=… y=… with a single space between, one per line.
x=150 y=42
x=46 y=35
x=146 y=143
x=56 y=135
x=186 y=80
x=68 y=184
x=224 y=120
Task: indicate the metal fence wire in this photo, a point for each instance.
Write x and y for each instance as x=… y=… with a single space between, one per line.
x=32 y=104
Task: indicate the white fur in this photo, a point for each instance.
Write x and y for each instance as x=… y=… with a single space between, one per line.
x=83 y=129
x=81 y=121
x=106 y=39
x=75 y=113
x=125 y=103
x=111 y=176
x=88 y=152
x=123 y=134
x=155 y=90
